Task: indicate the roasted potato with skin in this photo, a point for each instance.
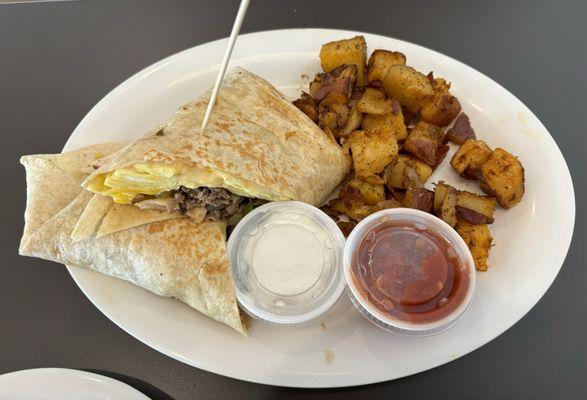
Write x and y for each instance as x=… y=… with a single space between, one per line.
x=336 y=86
x=482 y=205
x=349 y=51
x=372 y=152
x=307 y=105
x=391 y=123
x=423 y=142
x=353 y=122
x=443 y=107
x=478 y=239
x=469 y=158
x=395 y=173
x=441 y=153
x=461 y=131
x=419 y=198
x=411 y=88
x=411 y=178
x=380 y=61
x=502 y=176
x=374 y=101
x=371 y=194
x=448 y=208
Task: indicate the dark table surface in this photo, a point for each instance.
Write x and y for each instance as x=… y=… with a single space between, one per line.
x=58 y=59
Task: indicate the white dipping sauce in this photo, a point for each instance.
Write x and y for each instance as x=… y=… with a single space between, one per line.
x=287 y=258
x=286 y=262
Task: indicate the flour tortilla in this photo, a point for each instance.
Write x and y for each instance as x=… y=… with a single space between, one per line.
x=174 y=257
x=257 y=142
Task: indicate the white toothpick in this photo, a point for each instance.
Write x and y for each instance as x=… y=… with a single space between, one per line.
x=240 y=16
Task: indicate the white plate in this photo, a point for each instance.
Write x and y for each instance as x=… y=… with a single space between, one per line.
x=63 y=384
x=342 y=349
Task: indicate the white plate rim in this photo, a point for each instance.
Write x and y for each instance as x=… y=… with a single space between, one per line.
x=242 y=375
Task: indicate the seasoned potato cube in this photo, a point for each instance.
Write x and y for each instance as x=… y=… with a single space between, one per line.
x=411 y=88
x=442 y=107
x=373 y=101
x=337 y=85
x=439 y=195
x=353 y=122
x=483 y=205
x=423 y=142
x=469 y=158
x=419 y=198
x=380 y=61
x=348 y=51
x=373 y=179
x=411 y=178
x=372 y=152
x=478 y=238
x=502 y=176
x=461 y=130
x=394 y=174
x=389 y=203
x=441 y=153
x=371 y=194
x=448 y=209
x=391 y=123
x=316 y=84
x=308 y=106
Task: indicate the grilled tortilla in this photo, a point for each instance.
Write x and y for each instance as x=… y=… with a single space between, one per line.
x=172 y=257
x=257 y=145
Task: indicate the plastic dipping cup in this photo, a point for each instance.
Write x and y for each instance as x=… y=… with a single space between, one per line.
x=286 y=262
x=423 y=221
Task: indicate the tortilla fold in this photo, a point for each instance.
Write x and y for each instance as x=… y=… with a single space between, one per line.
x=175 y=257
x=257 y=144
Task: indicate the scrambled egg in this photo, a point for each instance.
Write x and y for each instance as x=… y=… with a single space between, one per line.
x=124 y=184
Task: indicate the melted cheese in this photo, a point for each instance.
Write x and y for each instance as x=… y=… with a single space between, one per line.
x=124 y=184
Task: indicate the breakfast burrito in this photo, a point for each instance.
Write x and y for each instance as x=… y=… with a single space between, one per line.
x=167 y=255
x=257 y=147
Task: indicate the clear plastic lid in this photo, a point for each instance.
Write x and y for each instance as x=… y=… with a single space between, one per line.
x=423 y=221
x=286 y=262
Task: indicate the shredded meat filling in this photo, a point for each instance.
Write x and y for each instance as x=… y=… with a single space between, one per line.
x=220 y=204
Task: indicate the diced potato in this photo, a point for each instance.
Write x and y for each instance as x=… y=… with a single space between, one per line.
x=348 y=51
x=389 y=203
x=411 y=178
x=371 y=194
x=448 y=210
x=461 y=130
x=483 y=205
x=443 y=107
x=337 y=85
x=373 y=101
x=439 y=195
x=316 y=84
x=502 y=176
x=419 y=198
x=395 y=173
x=478 y=238
x=441 y=153
x=389 y=123
x=423 y=142
x=327 y=118
x=408 y=86
x=469 y=158
x=374 y=180
x=308 y=106
x=353 y=122
x=372 y=152
x=380 y=61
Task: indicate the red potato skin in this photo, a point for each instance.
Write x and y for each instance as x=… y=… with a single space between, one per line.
x=472 y=217
x=461 y=130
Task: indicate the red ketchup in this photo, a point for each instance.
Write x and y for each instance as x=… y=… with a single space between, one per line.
x=409 y=274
